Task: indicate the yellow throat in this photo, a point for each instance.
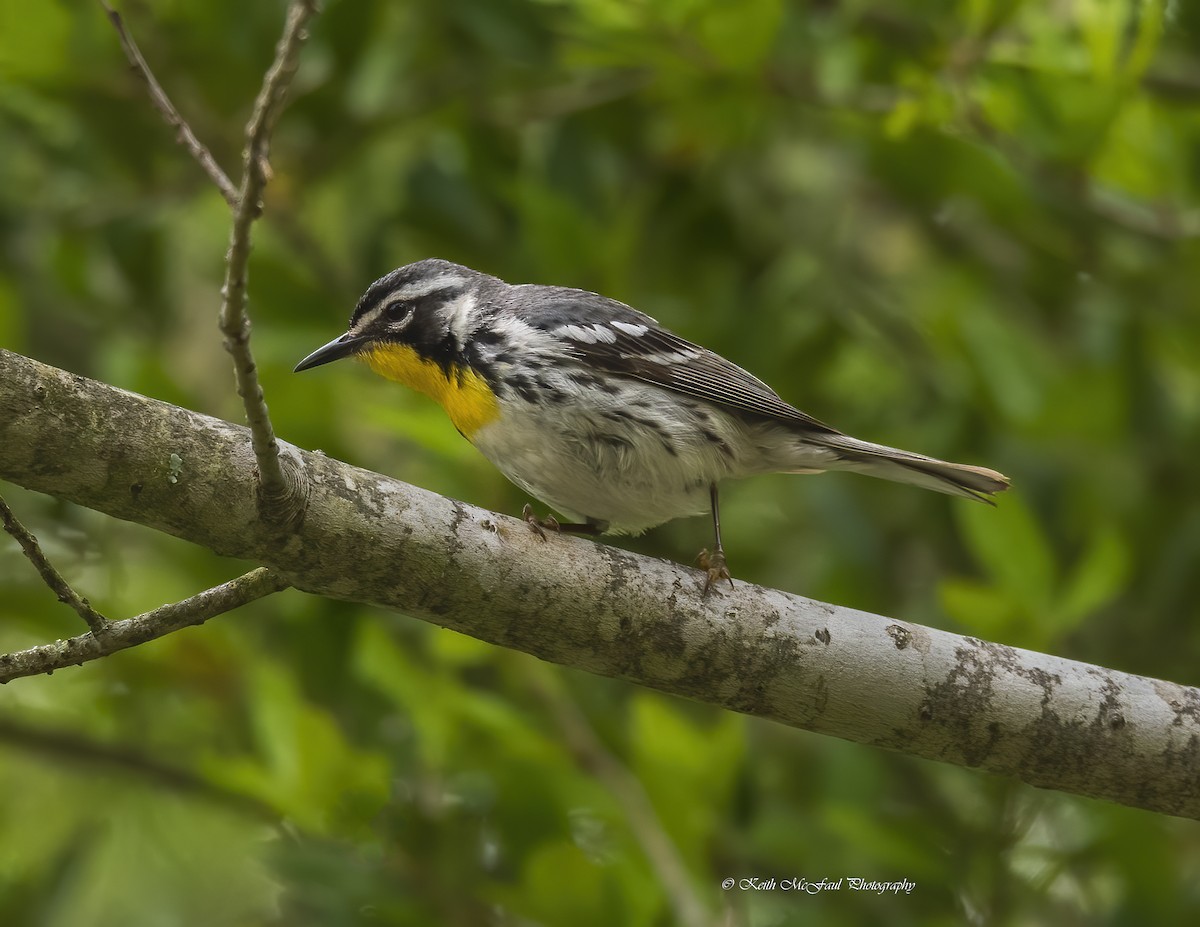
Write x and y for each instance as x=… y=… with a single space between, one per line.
x=464 y=394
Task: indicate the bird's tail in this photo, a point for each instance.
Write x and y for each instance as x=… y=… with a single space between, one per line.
x=890 y=463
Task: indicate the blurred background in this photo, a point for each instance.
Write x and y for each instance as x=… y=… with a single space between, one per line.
x=964 y=228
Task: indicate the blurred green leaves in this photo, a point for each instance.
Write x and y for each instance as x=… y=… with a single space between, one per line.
x=301 y=764
x=1030 y=594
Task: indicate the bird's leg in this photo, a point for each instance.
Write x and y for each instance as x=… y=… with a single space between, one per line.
x=714 y=563
x=540 y=526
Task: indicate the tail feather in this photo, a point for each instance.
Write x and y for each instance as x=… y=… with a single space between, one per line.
x=890 y=463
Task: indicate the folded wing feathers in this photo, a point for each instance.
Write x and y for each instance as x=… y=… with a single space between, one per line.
x=640 y=349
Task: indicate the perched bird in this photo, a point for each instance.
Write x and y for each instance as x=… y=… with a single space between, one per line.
x=596 y=409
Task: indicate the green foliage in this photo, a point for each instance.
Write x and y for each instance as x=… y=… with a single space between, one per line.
x=967 y=228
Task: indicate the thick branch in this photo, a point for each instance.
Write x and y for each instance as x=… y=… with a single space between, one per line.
x=121 y=635
x=235 y=324
x=1051 y=722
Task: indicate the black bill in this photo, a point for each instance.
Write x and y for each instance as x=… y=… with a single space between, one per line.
x=344 y=346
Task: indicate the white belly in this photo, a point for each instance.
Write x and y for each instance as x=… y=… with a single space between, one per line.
x=619 y=458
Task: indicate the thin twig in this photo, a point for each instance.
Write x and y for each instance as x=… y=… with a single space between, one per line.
x=233 y=319
x=59 y=586
x=121 y=635
x=163 y=104
x=640 y=812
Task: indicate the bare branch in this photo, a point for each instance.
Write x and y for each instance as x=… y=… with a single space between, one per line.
x=183 y=132
x=640 y=813
x=51 y=576
x=269 y=104
x=121 y=635
x=234 y=322
x=1051 y=722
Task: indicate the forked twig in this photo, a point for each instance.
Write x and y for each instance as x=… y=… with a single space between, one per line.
x=234 y=322
x=129 y=632
x=59 y=586
x=163 y=104
x=244 y=199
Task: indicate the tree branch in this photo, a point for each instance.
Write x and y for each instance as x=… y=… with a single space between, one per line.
x=50 y=576
x=363 y=537
x=278 y=491
x=121 y=635
x=234 y=322
x=158 y=96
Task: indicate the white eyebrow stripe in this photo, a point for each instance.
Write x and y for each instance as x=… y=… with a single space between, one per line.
x=630 y=328
x=419 y=288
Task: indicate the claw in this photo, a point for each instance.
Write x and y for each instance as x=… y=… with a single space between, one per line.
x=539 y=525
x=715 y=566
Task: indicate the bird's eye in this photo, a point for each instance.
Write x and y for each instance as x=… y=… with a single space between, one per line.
x=397 y=310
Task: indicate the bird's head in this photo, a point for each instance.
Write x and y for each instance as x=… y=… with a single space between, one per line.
x=416 y=304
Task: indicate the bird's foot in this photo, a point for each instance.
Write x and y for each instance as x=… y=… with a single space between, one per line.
x=715 y=566
x=539 y=526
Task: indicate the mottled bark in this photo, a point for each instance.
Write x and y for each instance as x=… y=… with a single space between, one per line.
x=363 y=537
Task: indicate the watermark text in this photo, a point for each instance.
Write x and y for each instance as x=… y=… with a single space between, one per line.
x=807 y=886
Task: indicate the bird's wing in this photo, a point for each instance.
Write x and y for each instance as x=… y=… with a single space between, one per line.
x=608 y=335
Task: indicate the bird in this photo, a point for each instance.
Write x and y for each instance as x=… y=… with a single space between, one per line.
x=598 y=411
